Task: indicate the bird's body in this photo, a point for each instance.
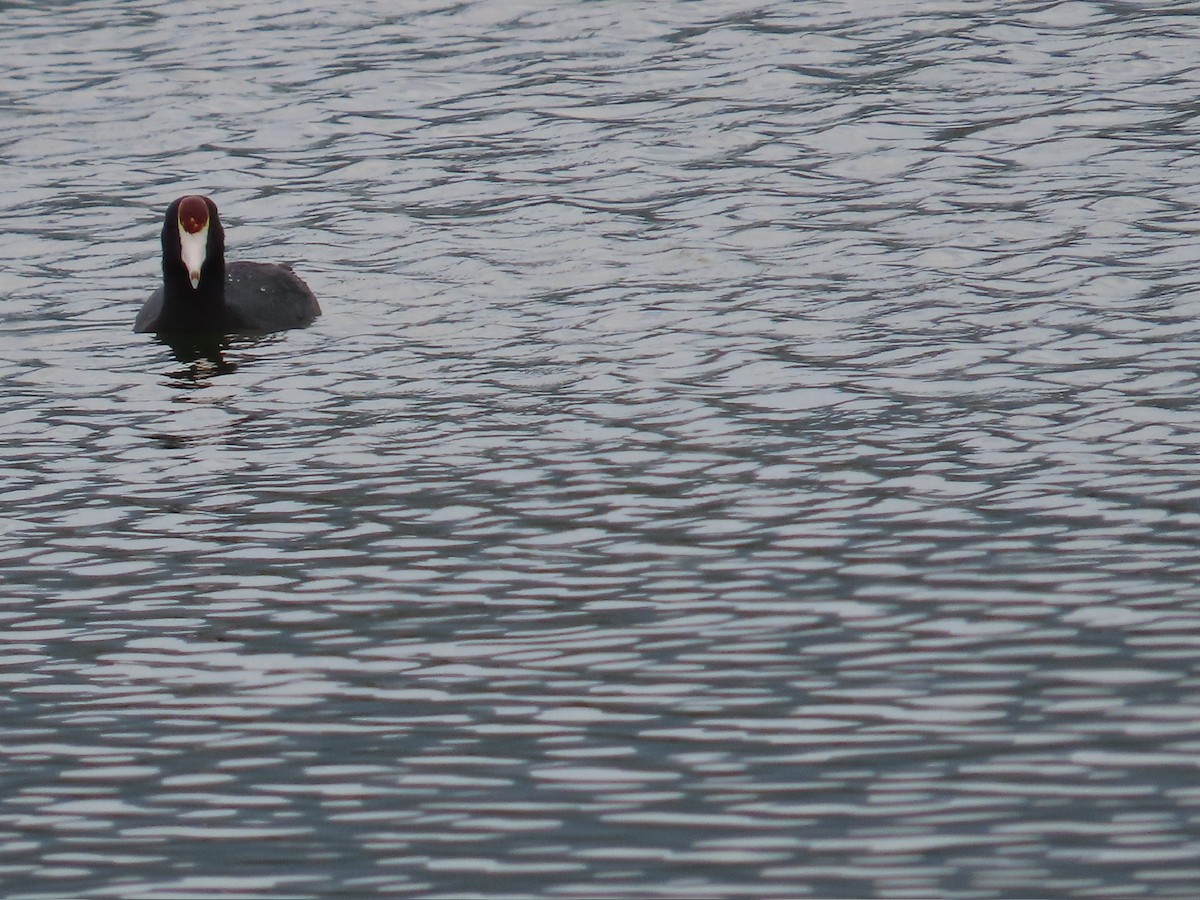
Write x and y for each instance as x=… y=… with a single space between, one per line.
x=201 y=294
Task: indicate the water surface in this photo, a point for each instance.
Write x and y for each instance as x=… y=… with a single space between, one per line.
x=749 y=451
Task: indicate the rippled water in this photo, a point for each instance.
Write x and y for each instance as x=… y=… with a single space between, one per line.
x=750 y=449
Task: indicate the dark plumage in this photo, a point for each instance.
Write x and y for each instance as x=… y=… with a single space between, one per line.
x=200 y=294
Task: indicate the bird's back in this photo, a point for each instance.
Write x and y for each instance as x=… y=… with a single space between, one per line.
x=267 y=297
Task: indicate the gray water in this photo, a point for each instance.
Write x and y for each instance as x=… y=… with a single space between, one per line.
x=750 y=450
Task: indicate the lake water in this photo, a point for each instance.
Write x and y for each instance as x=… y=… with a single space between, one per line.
x=750 y=450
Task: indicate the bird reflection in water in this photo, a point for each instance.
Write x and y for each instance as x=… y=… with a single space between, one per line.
x=204 y=357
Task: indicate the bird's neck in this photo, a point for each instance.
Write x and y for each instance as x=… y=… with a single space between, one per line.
x=184 y=305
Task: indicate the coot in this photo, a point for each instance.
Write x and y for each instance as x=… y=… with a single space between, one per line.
x=200 y=294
